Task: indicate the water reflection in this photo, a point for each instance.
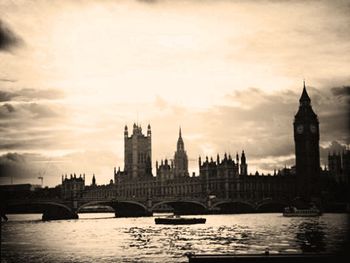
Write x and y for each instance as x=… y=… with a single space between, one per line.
x=140 y=240
x=311 y=237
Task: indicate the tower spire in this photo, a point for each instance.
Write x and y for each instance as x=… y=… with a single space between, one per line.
x=304 y=98
x=180 y=142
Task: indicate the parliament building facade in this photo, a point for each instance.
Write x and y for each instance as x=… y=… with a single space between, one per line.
x=225 y=177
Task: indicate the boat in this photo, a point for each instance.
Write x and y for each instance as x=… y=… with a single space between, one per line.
x=177 y=220
x=292 y=211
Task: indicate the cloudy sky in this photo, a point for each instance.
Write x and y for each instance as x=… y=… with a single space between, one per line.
x=230 y=73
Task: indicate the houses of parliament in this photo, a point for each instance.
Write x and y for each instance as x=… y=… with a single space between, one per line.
x=224 y=177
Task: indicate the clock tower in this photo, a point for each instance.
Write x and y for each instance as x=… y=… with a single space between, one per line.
x=307 y=153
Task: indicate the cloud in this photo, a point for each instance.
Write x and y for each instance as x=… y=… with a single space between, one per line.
x=8 y=39
x=333 y=105
x=334 y=147
x=28 y=126
x=6 y=109
x=148 y=1
x=260 y=123
x=341 y=91
x=160 y=103
x=30 y=94
x=27 y=110
x=12 y=164
x=277 y=165
x=26 y=167
x=6 y=96
x=11 y=158
x=7 y=80
x=29 y=119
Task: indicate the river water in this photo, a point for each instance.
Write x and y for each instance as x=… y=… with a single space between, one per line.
x=104 y=238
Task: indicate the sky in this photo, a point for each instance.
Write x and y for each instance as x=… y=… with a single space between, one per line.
x=230 y=73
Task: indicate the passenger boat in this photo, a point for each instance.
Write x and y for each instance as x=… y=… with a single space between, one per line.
x=177 y=220
x=292 y=211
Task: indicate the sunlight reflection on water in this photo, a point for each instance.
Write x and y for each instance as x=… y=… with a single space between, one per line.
x=104 y=238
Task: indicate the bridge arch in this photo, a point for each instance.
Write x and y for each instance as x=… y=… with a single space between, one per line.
x=118 y=206
x=271 y=206
x=234 y=206
x=92 y=203
x=126 y=208
x=183 y=207
x=50 y=210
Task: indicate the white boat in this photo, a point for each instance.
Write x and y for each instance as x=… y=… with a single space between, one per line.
x=293 y=211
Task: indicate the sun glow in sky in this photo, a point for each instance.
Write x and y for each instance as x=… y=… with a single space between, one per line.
x=230 y=73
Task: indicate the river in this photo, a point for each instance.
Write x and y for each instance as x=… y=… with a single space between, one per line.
x=103 y=238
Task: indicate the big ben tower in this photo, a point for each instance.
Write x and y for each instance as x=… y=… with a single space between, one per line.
x=307 y=153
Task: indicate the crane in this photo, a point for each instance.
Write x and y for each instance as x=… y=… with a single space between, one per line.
x=41 y=173
x=42 y=179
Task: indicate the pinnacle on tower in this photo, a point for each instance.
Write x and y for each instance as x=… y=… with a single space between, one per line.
x=304 y=99
x=126 y=131
x=180 y=142
x=149 y=133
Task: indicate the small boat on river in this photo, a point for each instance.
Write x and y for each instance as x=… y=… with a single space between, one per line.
x=292 y=211
x=177 y=220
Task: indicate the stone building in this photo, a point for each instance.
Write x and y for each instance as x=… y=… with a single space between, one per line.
x=137 y=155
x=99 y=192
x=225 y=178
x=228 y=178
x=339 y=166
x=176 y=168
x=73 y=187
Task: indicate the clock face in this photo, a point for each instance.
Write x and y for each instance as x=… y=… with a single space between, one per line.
x=300 y=129
x=313 y=128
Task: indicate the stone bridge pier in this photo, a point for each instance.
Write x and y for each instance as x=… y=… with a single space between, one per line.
x=58 y=212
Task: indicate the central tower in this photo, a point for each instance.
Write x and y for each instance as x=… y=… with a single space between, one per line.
x=307 y=153
x=180 y=158
x=138 y=153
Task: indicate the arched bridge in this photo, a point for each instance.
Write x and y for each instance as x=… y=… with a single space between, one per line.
x=69 y=209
